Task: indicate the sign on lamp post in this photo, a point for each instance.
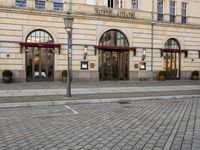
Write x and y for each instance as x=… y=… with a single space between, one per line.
x=69 y=63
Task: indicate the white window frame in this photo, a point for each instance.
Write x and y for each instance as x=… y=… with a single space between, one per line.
x=119 y=5
x=89 y=2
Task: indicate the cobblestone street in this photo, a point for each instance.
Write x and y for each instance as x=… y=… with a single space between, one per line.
x=146 y=125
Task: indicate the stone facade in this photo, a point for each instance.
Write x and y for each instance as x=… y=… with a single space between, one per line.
x=142 y=32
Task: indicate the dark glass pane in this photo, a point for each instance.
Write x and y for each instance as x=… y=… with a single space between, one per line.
x=172 y=44
x=184 y=20
x=160 y=17
x=172 y=18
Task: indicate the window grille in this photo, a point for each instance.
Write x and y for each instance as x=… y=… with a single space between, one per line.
x=20 y=3
x=40 y=5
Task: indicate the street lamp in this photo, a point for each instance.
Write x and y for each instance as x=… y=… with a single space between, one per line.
x=69 y=20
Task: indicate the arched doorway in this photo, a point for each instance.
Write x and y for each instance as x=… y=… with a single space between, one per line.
x=113 y=56
x=39 y=56
x=172 y=59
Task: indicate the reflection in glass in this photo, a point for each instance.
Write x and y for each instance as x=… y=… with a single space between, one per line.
x=40 y=64
x=39 y=36
x=114 y=38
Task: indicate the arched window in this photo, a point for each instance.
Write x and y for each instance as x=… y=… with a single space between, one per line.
x=172 y=44
x=114 y=38
x=39 y=36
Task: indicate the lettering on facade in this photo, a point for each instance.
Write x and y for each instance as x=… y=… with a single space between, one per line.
x=109 y=12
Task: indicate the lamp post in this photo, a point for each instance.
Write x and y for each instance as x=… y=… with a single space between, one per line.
x=69 y=20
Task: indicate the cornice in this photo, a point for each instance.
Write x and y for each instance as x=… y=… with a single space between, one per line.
x=33 y=12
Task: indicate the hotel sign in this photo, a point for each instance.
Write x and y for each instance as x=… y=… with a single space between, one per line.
x=109 y=12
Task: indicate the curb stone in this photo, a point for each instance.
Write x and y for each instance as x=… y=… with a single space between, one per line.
x=92 y=101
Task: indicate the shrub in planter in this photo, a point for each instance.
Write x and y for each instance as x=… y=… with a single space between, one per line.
x=64 y=75
x=161 y=75
x=195 y=75
x=7 y=76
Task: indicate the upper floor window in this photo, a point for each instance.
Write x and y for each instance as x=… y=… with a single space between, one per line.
x=40 y=4
x=58 y=5
x=20 y=3
x=160 y=10
x=113 y=3
x=184 y=12
x=91 y=2
x=172 y=11
x=135 y=4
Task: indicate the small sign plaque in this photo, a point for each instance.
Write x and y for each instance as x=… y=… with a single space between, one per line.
x=92 y=65
x=84 y=65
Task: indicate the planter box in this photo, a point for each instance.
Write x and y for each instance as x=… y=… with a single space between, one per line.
x=161 y=78
x=195 y=77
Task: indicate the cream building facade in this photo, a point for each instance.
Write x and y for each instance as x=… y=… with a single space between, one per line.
x=112 y=39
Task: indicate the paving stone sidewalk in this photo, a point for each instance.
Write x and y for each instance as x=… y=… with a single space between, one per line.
x=55 y=91
x=143 y=125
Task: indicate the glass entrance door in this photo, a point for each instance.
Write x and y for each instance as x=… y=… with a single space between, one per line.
x=39 y=64
x=113 y=65
x=172 y=65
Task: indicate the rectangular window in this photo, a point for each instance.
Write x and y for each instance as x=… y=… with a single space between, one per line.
x=172 y=18
x=91 y=2
x=39 y=4
x=20 y=3
x=183 y=12
x=135 y=4
x=160 y=10
x=58 y=6
x=113 y=3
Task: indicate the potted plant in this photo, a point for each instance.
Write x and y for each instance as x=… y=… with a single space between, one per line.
x=161 y=75
x=64 y=75
x=195 y=75
x=7 y=76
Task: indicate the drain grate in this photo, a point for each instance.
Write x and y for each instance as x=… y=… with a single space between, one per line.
x=123 y=102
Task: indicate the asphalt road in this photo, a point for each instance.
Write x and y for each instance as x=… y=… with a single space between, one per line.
x=145 y=125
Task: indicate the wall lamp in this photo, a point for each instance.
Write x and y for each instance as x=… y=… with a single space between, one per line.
x=144 y=54
x=85 y=52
